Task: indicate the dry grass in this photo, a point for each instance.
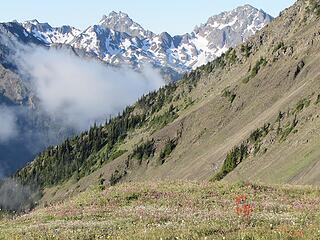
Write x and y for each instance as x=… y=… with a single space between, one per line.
x=174 y=210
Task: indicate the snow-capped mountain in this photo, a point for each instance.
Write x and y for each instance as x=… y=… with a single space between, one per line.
x=121 y=22
x=117 y=39
x=50 y=35
x=224 y=31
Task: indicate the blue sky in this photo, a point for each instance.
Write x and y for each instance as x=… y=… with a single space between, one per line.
x=174 y=16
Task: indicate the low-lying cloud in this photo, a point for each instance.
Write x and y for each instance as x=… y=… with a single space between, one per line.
x=81 y=91
x=71 y=92
x=8 y=127
x=15 y=197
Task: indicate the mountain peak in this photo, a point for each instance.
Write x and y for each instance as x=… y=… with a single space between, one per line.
x=37 y=23
x=34 y=24
x=119 y=14
x=33 y=21
x=244 y=17
x=115 y=15
x=121 y=22
x=246 y=6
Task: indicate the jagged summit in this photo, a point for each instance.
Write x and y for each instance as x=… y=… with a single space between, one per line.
x=114 y=15
x=241 y=18
x=33 y=21
x=246 y=7
x=121 y=22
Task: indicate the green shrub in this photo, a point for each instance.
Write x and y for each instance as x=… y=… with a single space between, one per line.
x=288 y=129
x=303 y=103
x=314 y=7
x=117 y=154
x=116 y=177
x=143 y=151
x=231 y=56
x=167 y=150
x=246 y=79
x=278 y=46
x=255 y=70
x=230 y=95
x=132 y=197
x=258 y=134
x=246 y=50
x=257 y=67
x=280 y=116
x=161 y=121
x=233 y=159
x=102 y=186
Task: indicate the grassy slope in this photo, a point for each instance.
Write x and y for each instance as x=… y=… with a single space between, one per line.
x=174 y=210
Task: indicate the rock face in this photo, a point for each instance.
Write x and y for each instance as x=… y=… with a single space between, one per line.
x=117 y=39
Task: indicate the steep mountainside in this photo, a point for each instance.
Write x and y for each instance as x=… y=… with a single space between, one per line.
x=117 y=39
x=252 y=114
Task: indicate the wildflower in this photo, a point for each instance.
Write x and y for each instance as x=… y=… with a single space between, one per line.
x=243 y=208
x=241 y=199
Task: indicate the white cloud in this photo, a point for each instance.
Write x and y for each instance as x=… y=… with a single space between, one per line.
x=15 y=197
x=8 y=127
x=80 y=90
